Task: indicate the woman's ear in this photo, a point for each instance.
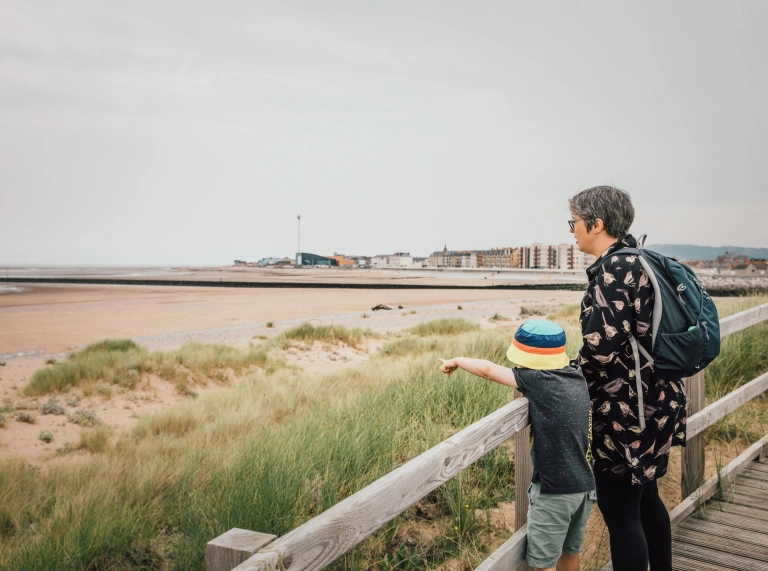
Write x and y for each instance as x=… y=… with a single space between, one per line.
x=598 y=226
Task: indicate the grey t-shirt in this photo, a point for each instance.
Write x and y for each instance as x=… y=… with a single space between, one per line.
x=561 y=425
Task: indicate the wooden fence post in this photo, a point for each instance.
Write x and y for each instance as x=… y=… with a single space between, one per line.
x=230 y=549
x=523 y=474
x=692 y=465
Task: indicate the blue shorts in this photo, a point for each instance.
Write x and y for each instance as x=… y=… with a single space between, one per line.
x=556 y=524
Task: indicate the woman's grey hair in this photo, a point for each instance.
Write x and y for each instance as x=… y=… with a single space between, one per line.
x=608 y=203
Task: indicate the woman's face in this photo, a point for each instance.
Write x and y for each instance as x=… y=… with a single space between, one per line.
x=584 y=239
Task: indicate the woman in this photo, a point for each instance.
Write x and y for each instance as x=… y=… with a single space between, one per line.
x=617 y=306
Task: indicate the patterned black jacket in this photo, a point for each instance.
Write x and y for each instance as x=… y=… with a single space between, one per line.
x=619 y=303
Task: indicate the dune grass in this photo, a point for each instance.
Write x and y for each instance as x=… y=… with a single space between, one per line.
x=122 y=362
x=333 y=334
x=267 y=454
x=444 y=326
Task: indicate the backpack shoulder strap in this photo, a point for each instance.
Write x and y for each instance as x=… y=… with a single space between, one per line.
x=634 y=251
x=658 y=305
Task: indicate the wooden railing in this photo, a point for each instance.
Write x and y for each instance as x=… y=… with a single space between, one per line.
x=326 y=537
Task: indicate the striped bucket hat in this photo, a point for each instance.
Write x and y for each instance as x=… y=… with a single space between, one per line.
x=539 y=344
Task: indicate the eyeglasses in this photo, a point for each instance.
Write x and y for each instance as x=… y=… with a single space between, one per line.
x=572 y=223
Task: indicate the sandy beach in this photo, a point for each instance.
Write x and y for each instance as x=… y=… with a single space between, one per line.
x=41 y=323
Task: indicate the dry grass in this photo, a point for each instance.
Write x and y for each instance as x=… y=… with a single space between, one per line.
x=334 y=334
x=123 y=363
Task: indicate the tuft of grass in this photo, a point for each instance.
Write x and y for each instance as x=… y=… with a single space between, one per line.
x=124 y=363
x=495 y=318
x=50 y=361
x=459 y=307
x=46 y=436
x=2 y=420
x=335 y=334
x=24 y=416
x=443 y=326
x=104 y=390
x=51 y=407
x=531 y=310
x=85 y=418
x=408 y=346
x=270 y=324
x=96 y=439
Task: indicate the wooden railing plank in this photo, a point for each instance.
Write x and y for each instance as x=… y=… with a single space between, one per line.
x=742 y=320
x=730 y=402
x=326 y=537
x=509 y=555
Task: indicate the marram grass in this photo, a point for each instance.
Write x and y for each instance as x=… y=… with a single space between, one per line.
x=267 y=454
x=122 y=362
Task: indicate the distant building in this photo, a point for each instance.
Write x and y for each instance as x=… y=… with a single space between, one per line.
x=750 y=269
x=343 y=261
x=305 y=259
x=535 y=256
x=499 y=258
x=396 y=260
x=241 y=263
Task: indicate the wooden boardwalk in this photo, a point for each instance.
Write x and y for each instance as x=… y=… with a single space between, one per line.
x=729 y=534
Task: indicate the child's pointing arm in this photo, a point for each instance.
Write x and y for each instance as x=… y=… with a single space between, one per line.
x=481 y=368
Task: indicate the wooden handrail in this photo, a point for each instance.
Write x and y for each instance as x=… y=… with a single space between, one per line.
x=323 y=539
x=742 y=320
x=726 y=405
x=326 y=537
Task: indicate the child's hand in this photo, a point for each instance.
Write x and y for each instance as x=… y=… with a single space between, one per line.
x=447 y=366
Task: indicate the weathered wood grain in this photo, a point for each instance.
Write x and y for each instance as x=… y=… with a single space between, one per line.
x=745 y=480
x=721 y=543
x=715 y=529
x=326 y=537
x=755 y=474
x=732 y=521
x=685 y=564
x=523 y=475
x=755 y=514
x=750 y=491
x=692 y=457
x=509 y=555
x=739 y=321
x=709 y=415
x=233 y=547
x=713 y=556
x=699 y=496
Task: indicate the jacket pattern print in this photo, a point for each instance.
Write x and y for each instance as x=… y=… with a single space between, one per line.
x=619 y=303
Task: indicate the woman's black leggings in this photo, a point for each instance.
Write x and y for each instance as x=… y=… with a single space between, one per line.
x=637 y=521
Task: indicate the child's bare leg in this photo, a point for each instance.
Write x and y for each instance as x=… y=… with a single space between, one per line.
x=568 y=562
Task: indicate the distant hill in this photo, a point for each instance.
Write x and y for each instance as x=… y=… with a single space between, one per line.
x=693 y=252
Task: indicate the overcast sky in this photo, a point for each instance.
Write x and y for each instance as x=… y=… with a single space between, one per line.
x=149 y=132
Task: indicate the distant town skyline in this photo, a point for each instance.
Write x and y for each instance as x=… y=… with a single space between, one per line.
x=164 y=133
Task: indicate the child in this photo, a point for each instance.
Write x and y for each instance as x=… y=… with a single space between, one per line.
x=563 y=489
